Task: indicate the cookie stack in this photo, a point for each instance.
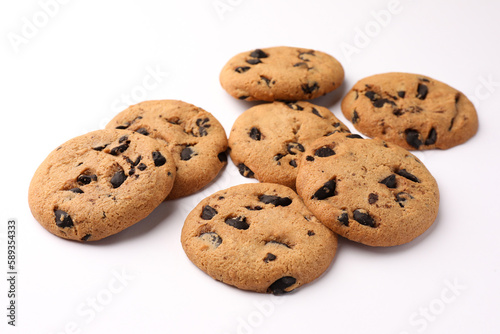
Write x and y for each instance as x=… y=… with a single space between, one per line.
x=266 y=238
x=100 y=183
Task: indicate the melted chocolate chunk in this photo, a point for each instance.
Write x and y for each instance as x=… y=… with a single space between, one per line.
x=212 y=238
x=422 y=91
x=86 y=237
x=316 y=112
x=159 y=159
x=344 y=219
x=431 y=137
x=278 y=157
x=377 y=101
x=310 y=233
x=76 y=190
x=203 y=125
x=242 y=69
x=274 y=242
x=372 y=198
x=253 y=61
x=275 y=200
x=363 y=218
x=404 y=173
x=208 y=212
x=355 y=117
x=266 y=80
x=255 y=133
x=309 y=89
x=100 y=148
x=187 y=153
x=258 y=53
x=354 y=136
x=401 y=94
x=239 y=222
x=310 y=158
x=141 y=166
x=86 y=179
x=390 y=181
x=402 y=197
x=269 y=257
x=63 y=219
x=413 y=138
x=324 y=152
x=222 y=156
x=123 y=127
x=294 y=148
x=279 y=287
x=254 y=208
x=142 y=131
x=294 y=106
x=293 y=163
x=326 y=191
x=119 y=149
x=245 y=171
x=118 y=179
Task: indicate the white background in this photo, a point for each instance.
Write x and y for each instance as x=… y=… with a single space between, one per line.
x=88 y=60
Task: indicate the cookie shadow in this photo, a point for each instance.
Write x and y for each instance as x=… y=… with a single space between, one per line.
x=331 y=99
x=141 y=228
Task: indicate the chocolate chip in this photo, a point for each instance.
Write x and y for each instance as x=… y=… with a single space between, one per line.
x=76 y=190
x=254 y=133
x=141 y=166
x=316 y=112
x=159 y=159
x=266 y=80
x=402 y=197
x=354 y=136
x=310 y=233
x=239 y=222
x=222 y=156
x=275 y=200
x=294 y=148
x=309 y=89
x=203 y=126
x=242 y=69
x=404 y=173
x=278 y=157
x=253 y=61
x=413 y=138
x=327 y=190
x=245 y=171
x=301 y=64
x=324 y=152
x=431 y=137
x=86 y=237
x=303 y=56
x=274 y=242
x=85 y=179
x=422 y=91
x=293 y=163
x=424 y=79
x=269 y=257
x=401 y=94
x=294 y=106
x=278 y=287
x=118 y=179
x=377 y=101
x=123 y=127
x=363 y=218
x=131 y=171
x=344 y=219
x=142 y=131
x=390 y=181
x=123 y=139
x=372 y=198
x=208 y=212
x=187 y=153
x=63 y=219
x=254 y=208
x=355 y=117
x=119 y=149
x=212 y=238
x=100 y=148
x=258 y=53
x=310 y=158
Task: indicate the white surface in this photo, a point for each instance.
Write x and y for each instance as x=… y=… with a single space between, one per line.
x=73 y=74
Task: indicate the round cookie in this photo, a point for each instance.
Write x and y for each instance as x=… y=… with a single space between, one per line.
x=195 y=138
x=367 y=190
x=100 y=183
x=258 y=237
x=268 y=140
x=411 y=110
x=281 y=73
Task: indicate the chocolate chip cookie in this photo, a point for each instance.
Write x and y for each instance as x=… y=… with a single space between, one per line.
x=281 y=73
x=367 y=190
x=268 y=140
x=411 y=110
x=258 y=237
x=194 y=137
x=100 y=183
